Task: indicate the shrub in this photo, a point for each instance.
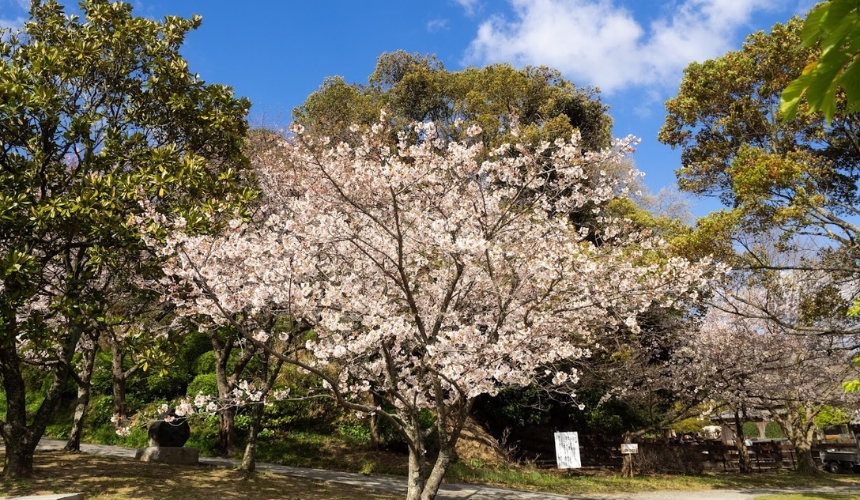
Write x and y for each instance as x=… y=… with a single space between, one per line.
x=204 y=383
x=751 y=430
x=773 y=431
x=205 y=363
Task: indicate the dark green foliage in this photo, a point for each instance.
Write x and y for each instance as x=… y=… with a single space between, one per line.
x=751 y=430
x=204 y=383
x=205 y=363
x=419 y=88
x=773 y=431
x=204 y=435
x=100 y=117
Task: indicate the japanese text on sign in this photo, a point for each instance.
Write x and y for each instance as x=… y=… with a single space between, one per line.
x=567 y=450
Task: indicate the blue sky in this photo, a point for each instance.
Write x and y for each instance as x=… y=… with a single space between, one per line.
x=277 y=52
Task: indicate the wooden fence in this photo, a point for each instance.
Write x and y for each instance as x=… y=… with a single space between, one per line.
x=672 y=457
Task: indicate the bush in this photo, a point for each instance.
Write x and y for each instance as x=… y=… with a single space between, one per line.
x=101 y=411
x=204 y=435
x=773 y=431
x=751 y=430
x=204 y=383
x=205 y=363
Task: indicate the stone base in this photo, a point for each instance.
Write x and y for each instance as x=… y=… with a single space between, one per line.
x=165 y=455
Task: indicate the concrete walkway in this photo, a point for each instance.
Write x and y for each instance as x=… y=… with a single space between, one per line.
x=397 y=485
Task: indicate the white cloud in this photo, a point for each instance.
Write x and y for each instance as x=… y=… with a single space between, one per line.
x=18 y=20
x=435 y=25
x=468 y=5
x=601 y=43
x=13 y=24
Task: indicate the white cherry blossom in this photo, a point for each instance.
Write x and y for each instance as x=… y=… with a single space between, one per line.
x=431 y=273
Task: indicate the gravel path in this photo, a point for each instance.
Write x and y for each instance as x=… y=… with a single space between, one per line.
x=455 y=491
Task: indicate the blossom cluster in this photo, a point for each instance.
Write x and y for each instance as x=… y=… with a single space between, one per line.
x=432 y=271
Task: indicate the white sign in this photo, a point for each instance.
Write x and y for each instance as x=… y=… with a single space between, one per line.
x=629 y=448
x=567 y=450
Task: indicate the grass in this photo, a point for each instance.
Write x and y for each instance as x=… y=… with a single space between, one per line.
x=608 y=481
x=109 y=478
x=809 y=496
x=333 y=452
x=302 y=449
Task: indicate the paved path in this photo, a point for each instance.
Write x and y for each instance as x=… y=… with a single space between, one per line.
x=397 y=485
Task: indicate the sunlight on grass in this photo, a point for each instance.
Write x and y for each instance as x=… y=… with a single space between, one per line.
x=810 y=496
x=109 y=478
x=603 y=481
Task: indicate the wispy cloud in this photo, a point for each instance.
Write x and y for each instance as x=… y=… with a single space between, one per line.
x=13 y=23
x=468 y=5
x=601 y=43
x=435 y=25
x=17 y=19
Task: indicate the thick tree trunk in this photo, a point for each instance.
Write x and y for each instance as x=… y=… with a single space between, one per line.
x=744 y=463
x=423 y=484
x=627 y=469
x=798 y=424
x=21 y=439
x=227 y=431
x=805 y=464
x=88 y=361
x=416 y=475
x=19 y=448
x=249 y=459
x=801 y=437
x=434 y=481
x=118 y=377
x=19 y=456
x=374 y=424
x=374 y=432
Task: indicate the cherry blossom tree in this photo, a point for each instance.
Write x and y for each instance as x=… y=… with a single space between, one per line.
x=429 y=277
x=755 y=351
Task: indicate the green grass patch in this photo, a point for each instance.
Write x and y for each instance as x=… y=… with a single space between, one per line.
x=809 y=496
x=607 y=481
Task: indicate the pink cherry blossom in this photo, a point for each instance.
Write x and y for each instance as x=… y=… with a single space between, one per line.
x=431 y=272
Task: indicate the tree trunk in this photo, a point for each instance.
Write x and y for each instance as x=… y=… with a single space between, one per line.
x=417 y=474
x=801 y=432
x=798 y=424
x=805 y=464
x=249 y=459
x=374 y=432
x=227 y=431
x=118 y=378
x=744 y=463
x=627 y=462
x=434 y=481
x=19 y=456
x=88 y=361
x=21 y=439
x=19 y=449
x=374 y=424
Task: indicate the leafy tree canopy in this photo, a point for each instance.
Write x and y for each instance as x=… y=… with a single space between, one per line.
x=419 y=88
x=99 y=116
x=798 y=176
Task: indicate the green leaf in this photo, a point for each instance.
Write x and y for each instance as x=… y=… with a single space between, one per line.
x=812 y=26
